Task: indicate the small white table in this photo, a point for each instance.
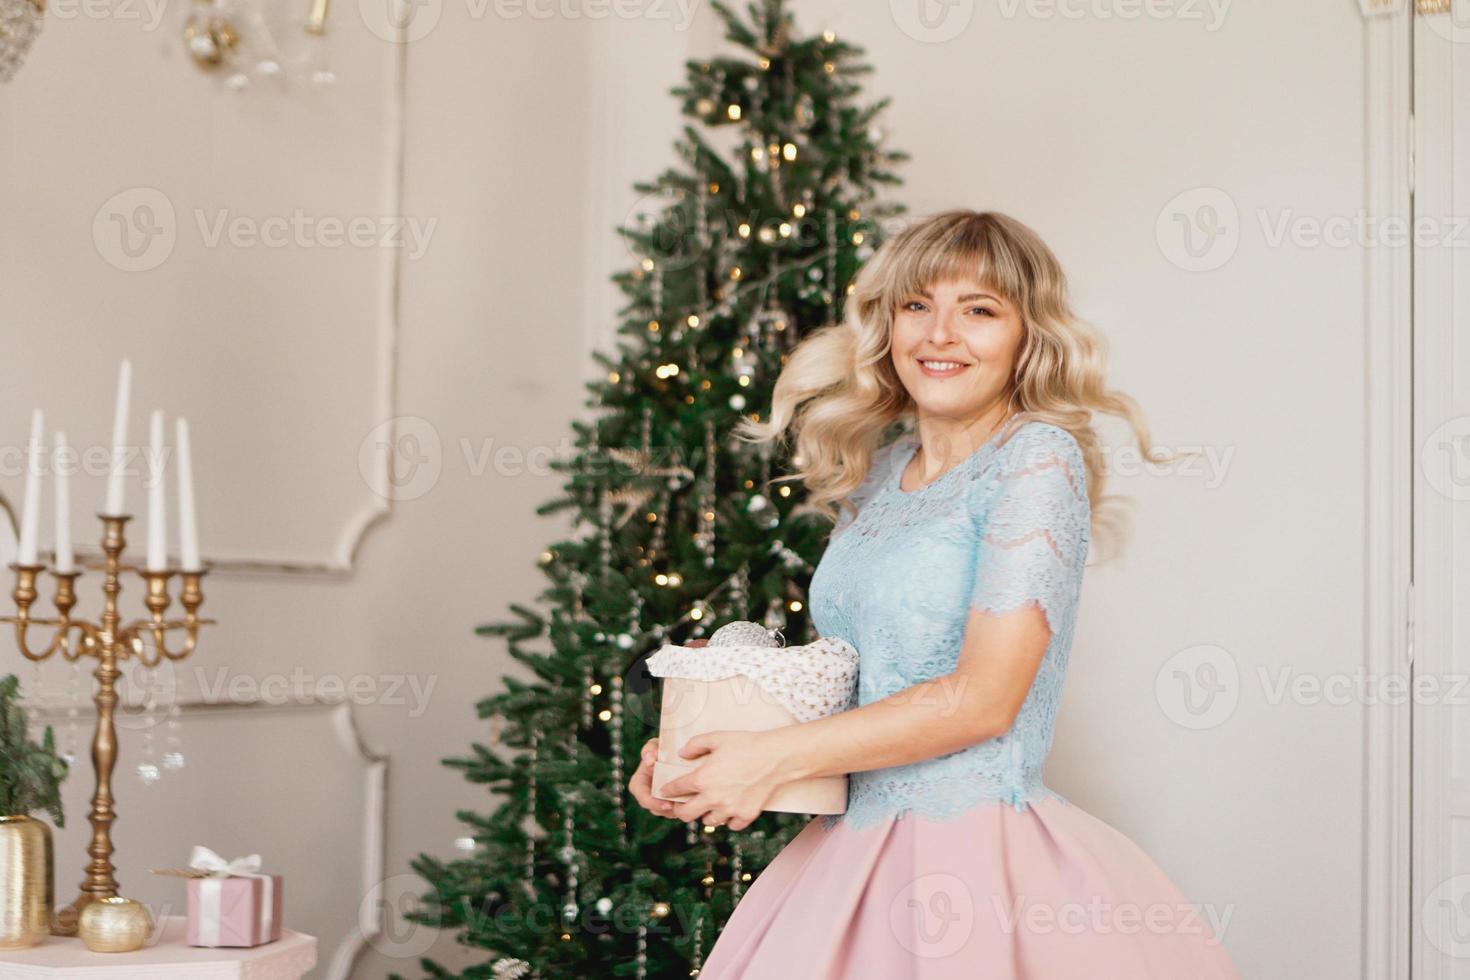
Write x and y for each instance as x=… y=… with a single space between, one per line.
x=166 y=957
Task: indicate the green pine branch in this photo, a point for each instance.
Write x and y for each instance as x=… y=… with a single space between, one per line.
x=30 y=774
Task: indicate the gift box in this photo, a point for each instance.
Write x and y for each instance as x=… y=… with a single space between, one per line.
x=230 y=903
x=745 y=680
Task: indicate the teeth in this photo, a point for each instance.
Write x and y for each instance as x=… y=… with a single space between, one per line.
x=940 y=365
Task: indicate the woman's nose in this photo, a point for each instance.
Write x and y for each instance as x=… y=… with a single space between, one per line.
x=942 y=328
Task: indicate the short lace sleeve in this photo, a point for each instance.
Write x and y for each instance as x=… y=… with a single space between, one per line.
x=878 y=471
x=1034 y=525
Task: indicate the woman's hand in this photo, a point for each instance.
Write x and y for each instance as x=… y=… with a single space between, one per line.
x=739 y=773
x=641 y=785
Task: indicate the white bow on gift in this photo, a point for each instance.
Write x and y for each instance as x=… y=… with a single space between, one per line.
x=215 y=868
x=203 y=859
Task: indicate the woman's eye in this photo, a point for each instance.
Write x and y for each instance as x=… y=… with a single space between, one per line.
x=909 y=306
x=983 y=309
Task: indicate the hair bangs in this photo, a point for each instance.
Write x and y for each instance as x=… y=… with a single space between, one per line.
x=966 y=250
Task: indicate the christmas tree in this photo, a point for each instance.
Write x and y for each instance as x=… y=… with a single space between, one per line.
x=747 y=247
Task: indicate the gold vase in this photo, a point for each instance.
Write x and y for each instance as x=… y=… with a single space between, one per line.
x=114 y=925
x=27 y=882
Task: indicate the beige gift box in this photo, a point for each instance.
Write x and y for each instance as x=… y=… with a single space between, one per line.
x=744 y=681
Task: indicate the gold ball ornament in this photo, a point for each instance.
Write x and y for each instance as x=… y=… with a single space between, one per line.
x=114 y=925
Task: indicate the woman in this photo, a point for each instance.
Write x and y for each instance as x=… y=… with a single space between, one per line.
x=956 y=574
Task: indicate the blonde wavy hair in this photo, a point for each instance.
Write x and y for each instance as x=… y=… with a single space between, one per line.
x=839 y=392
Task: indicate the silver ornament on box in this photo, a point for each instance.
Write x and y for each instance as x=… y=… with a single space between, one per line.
x=744 y=633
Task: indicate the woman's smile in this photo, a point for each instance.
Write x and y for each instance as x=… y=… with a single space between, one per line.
x=939 y=368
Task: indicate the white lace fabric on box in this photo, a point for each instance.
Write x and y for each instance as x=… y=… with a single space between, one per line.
x=811 y=681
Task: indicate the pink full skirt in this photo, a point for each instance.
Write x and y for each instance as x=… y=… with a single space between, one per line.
x=1047 y=893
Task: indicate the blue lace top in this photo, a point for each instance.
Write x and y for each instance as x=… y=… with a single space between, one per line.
x=1007 y=526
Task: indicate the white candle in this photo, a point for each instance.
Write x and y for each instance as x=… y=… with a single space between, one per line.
x=119 y=440
x=60 y=466
x=30 y=512
x=188 y=525
x=157 y=531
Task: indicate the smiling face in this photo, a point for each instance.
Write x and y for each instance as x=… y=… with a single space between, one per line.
x=954 y=346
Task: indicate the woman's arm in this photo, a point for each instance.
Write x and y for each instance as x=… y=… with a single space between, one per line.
x=978 y=700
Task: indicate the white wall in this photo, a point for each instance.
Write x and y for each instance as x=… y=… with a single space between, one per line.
x=523 y=139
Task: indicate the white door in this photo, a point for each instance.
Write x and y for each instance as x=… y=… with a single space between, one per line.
x=1440 y=907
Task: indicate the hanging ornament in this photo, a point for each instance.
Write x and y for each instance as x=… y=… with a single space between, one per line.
x=587 y=693
x=698 y=961
x=704 y=538
x=775 y=615
x=173 y=747
x=568 y=854
x=776 y=43
x=633 y=499
x=740 y=592
x=762 y=512
x=701 y=218
x=806 y=112
x=509 y=968
x=616 y=738
x=530 y=873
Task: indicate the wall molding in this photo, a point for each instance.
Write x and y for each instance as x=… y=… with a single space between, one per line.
x=343 y=719
x=1388 y=479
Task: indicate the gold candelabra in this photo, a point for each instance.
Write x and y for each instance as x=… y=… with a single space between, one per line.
x=110 y=641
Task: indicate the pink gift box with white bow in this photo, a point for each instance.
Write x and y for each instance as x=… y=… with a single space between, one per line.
x=232 y=903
